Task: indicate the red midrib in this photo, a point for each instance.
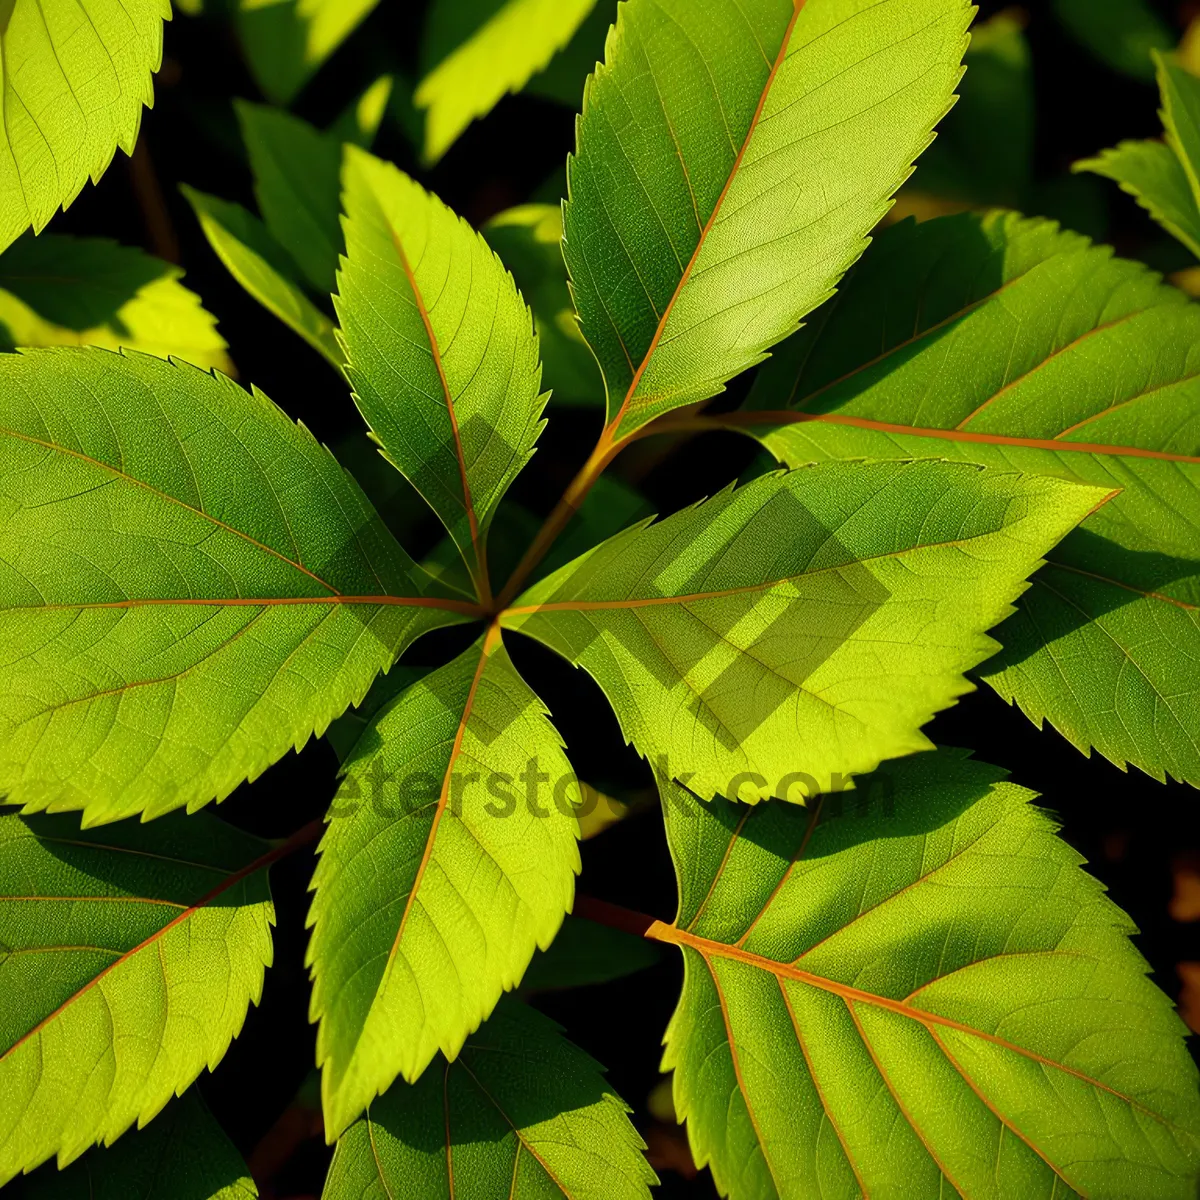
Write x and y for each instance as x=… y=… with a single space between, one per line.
x=615 y=424
x=787 y=417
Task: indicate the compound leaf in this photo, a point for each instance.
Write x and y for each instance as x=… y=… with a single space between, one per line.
x=76 y=75
x=190 y=585
x=520 y=1113
x=1006 y=342
x=296 y=169
x=732 y=158
x=128 y=958
x=916 y=991
x=183 y=1154
x=442 y=353
x=1152 y=174
x=777 y=638
x=437 y=880
x=285 y=41
x=482 y=51
x=57 y=290
x=253 y=257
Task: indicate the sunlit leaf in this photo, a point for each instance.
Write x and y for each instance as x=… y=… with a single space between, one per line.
x=732 y=158
x=442 y=352
x=191 y=585
x=76 y=77
x=449 y=857
x=128 y=958
x=915 y=991
x=1007 y=342
x=476 y=51
x=775 y=639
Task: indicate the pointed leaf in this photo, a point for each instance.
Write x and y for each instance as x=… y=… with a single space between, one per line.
x=76 y=76
x=296 y=171
x=285 y=41
x=913 y=990
x=477 y=64
x=1003 y=341
x=190 y=585
x=183 y=1154
x=521 y=1113
x=442 y=353
x=66 y=291
x=733 y=156
x=1180 y=92
x=264 y=269
x=528 y=240
x=128 y=958
x=1152 y=174
x=449 y=857
x=777 y=638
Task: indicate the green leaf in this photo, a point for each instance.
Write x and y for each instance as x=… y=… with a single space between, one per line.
x=75 y=79
x=449 y=857
x=285 y=41
x=732 y=158
x=520 y=1113
x=441 y=350
x=584 y=953
x=190 y=585
x=264 y=269
x=128 y=958
x=476 y=52
x=295 y=171
x=1180 y=92
x=777 y=638
x=361 y=120
x=1006 y=342
x=528 y=240
x=566 y=74
x=983 y=152
x=65 y=291
x=1152 y=174
x=182 y=1155
x=913 y=992
x=1120 y=33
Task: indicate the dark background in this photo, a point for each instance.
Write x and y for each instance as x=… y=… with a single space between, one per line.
x=1130 y=828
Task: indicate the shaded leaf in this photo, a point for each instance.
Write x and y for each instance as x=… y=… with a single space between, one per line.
x=264 y=269
x=1120 y=33
x=295 y=171
x=483 y=50
x=76 y=76
x=182 y=1155
x=584 y=953
x=521 y=1113
x=285 y=41
x=915 y=991
x=732 y=157
x=442 y=354
x=449 y=857
x=57 y=290
x=128 y=958
x=191 y=585
x=777 y=638
x=1151 y=173
x=528 y=240
x=1007 y=342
